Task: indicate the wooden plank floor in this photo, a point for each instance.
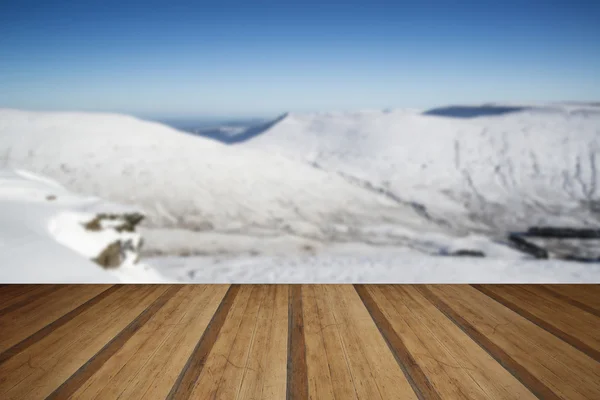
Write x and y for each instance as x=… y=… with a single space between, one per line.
x=300 y=342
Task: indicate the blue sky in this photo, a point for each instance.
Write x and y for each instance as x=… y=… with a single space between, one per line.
x=261 y=58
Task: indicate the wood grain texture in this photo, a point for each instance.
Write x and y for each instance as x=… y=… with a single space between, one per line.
x=157 y=376
x=570 y=297
x=413 y=372
x=564 y=321
x=48 y=329
x=121 y=369
x=13 y=299
x=299 y=341
x=513 y=366
x=84 y=372
x=456 y=366
x=333 y=351
x=585 y=294
x=47 y=364
x=184 y=385
x=296 y=363
x=23 y=322
x=375 y=372
x=534 y=356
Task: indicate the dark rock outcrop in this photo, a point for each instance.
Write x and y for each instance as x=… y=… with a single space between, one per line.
x=468 y=253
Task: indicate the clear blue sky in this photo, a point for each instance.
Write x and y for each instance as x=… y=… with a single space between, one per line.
x=259 y=58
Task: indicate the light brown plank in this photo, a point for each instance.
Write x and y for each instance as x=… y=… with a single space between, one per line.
x=184 y=384
x=339 y=368
x=376 y=375
x=70 y=356
x=264 y=376
x=572 y=294
x=50 y=328
x=420 y=383
x=318 y=374
x=587 y=294
x=275 y=377
x=564 y=370
x=571 y=324
x=118 y=372
x=11 y=300
x=238 y=357
x=449 y=356
x=156 y=378
x=30 y=318
x=21 y=365
x=208 y=382
x=75 y=381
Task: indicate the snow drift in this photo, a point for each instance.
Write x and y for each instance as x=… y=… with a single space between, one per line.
x=45 y=235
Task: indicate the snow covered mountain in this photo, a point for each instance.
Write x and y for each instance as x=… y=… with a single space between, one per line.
x=490 y=169
x=187 y=182
x=320 y=197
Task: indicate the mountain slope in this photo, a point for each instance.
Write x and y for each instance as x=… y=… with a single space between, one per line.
x=486 y=168
x=188 y=182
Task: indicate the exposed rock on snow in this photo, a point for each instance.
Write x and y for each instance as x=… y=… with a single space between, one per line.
x=44 y=241
x=109 y=240
x=468 y=253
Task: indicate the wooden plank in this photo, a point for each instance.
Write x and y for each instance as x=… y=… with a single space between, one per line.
x=208 y=382
x=156 y=378
x=30 y=318
x=296 y=363
x=573 y=295
x=264 y=379
x=23 y=295
x=549 y=367
x=118 y=372
x=275 y=376
x=107 y=346
x=9 y=291
x=48 y=329
x=72 y=355
x=376 y=375
x=412 y=370
x=71 y=385
x=442 y=376
x=320 y=384
x=446 y=350
x=569 y=323
x=21 y=365
x=339 y=368
x=585 y=291
x=191 y=371
x=230 y=383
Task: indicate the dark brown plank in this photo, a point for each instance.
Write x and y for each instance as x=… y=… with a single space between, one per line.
x=413 y=372
x=72 y=384
x=184 y=385
x=297 y=382
x=48 y=329
x=510 y=364
x=547 y=326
